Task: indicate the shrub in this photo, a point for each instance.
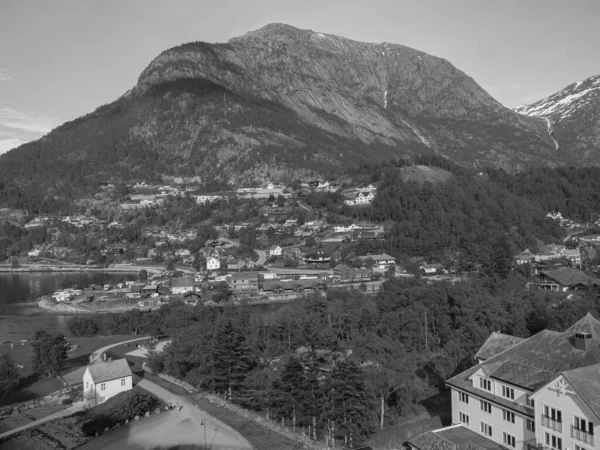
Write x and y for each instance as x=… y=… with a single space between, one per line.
x=134 y=405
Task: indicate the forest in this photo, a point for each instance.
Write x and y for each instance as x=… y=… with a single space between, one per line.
x=331 y=360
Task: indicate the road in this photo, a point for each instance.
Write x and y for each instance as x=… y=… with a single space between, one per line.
x=96 y=355
x=171 y=428
x=262 y=257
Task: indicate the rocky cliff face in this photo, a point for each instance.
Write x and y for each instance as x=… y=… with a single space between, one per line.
x=572 y=116
x=381 y=94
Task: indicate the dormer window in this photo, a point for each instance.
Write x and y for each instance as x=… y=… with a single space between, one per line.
x=486 y=384
x=582 y=340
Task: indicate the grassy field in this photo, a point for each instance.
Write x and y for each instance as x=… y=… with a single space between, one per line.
x=33 y=385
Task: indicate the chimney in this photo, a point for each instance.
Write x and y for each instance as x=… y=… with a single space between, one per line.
x=582 y=341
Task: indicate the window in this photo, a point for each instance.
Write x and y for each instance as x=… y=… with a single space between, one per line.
x=463 y=397
x=462 y=417
x=509 y=440
x=531 y=425
x=583 y=425
x=122 y=381
x=485 y=384
x=508 y=392
x=579 y=447
x=103 y=387
x=554 y=414
x=508 y=416
x=553 y=441
x=485 y=406
x=486 y=429
x=530 y=402
x=87 y=385
x=102 y=399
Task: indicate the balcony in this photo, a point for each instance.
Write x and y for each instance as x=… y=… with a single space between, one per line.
x=531 y=444
x=548 y=422
x=582 y=436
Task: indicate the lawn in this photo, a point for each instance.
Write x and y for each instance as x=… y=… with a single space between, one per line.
x=33 y=385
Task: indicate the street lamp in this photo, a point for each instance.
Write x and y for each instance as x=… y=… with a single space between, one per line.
x=203 y=423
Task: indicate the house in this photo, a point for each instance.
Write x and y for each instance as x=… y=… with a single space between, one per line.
x=346 y=229
x=182 y=285
x=183 y=252
x=212 y=263
x=360 y=199
x=453 y=437
x=573 y=255
x=133 y=295
x=235 y=264
x=526 y=256
x=381 y=262
x=431 y=269
x=538 y=392
x=347 y=274
x=244 y=282
x=560 y=280
x=152 y=303
x=275 y=250
x=150 y=289
x=317 y=258
x=35 y=252
x=105 y=379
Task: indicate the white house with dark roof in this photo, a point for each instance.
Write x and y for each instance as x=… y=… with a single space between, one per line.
x=542 y=392
x=103 y=380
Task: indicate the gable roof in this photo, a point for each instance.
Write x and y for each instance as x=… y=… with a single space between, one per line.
x=533 y=362
x=588 y=392
x=454 y=437
x=496 y=343
x=182 y=282
x=109 y=370
x=244 y=276
x=567 y=276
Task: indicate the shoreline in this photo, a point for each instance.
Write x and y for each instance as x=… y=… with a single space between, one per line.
x=50 y=269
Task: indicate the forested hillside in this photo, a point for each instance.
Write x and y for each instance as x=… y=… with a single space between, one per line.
x=332 y=359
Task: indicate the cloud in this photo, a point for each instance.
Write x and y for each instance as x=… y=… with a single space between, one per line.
x=516 y=86
x=10 y=118
x=17 y=128
x=4 y=76
x=9 y=144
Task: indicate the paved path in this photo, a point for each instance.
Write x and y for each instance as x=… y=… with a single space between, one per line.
x=75 y=407
x=262 y=257
x=96 y=355
x=171 y=428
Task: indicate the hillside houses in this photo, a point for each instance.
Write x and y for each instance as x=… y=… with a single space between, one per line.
x=561 y=280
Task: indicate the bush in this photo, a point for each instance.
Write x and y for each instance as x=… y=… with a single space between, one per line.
x=97 y=425
x=134 y=405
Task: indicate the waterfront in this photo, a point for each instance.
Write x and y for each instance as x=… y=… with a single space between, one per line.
x=21 y=289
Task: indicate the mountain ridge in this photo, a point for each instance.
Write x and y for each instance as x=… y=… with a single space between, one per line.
x=279 y=103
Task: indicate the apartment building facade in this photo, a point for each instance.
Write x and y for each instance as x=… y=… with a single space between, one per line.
x=534 y=393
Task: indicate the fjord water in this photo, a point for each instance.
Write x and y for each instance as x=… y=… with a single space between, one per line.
x=22 y=287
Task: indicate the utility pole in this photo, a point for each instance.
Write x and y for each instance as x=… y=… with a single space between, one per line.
x=425 y=328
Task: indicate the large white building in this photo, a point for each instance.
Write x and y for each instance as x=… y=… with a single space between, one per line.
x=212 y=263
x=103 y=380
x=542 y=392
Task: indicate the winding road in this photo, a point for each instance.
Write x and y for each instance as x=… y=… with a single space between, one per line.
x=171 y=428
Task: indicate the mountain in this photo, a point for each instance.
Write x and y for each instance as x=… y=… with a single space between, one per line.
x=572 y=116
x=277 y=103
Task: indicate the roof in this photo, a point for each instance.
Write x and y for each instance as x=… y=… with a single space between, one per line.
x=382 y=257
x=244 y=276
x=182 y=282
x=152 y=287
x=496 y=343
x=579 y=379
x=535 y=361
x=454 y=437
x=567 y=276
x=110 y=370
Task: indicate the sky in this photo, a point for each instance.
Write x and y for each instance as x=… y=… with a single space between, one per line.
x=62 y=59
